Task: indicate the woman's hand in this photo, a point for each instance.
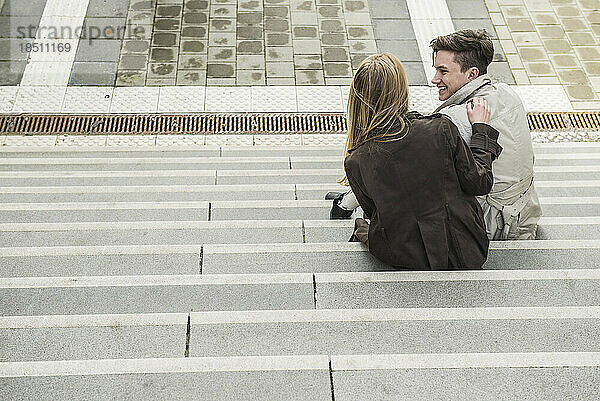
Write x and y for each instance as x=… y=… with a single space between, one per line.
x=478 y=110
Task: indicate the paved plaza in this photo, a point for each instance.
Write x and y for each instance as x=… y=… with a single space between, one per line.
x=137 y=43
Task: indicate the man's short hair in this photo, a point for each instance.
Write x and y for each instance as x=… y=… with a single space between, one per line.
x=472 y=48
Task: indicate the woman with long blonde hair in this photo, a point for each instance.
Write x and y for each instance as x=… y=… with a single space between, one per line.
x=414 y=176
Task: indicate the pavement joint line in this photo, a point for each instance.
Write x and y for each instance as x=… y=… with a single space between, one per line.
x=104 y=320
x=99 y=250
x=312 y=316
x=312 y=247
x=148 y=225
x=188 y=333
x=156 y=280
x=164 y=365
x=464 y=361
x=295 y=278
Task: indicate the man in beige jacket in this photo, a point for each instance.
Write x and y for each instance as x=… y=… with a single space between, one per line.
x=512 y=209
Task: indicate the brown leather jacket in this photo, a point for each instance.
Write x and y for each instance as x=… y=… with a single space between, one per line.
x=420 y=193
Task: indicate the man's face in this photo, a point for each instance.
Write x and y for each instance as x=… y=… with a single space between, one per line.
x=448 y=77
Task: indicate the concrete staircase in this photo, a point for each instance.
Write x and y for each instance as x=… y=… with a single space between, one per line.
x=213 y=273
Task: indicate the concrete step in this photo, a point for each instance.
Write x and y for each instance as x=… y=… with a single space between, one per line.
x=458 y=289
x=319 y=209
x=110 y=260
x=75 y=337
x=106 y=178
x=159 y=259
x=569 y=228
x=190 y=161
x=102 y=211
x=354 y=257
x=578 y=159
x=79 y=295
x=566 y=147
x=147 y=233
x=581 y=188
x=529 y=376
x=247 y=378
x=110 y=152
x=395 y=331
x=141 y=163
x=552 y=376
x=329 y=176
x=551 y=191
x=146 y=193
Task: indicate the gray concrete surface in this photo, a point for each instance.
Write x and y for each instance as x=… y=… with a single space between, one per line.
x=394 y=337
x=71 y=343
x=248 y=386
x=153 y=299
x=552 y=384
x=146 y=233
x=102 y=260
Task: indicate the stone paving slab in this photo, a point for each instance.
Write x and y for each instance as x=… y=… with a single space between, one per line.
x=147 y=233
x=102 y=212
x=314 y=99
x=53 y=338
x=550 y=228
x=527 y=383
x=363 y=291
x=32 y=297
x=170 y=196
x=250 y=378
x=319 y=209
x=107 y=178
x=344 y=331
x=140 y=163
x=353 y=257
x=100 y=260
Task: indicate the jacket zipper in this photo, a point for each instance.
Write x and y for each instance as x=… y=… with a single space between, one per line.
x=454 y=242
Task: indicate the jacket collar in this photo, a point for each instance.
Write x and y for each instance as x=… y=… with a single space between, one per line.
x=466 y=92
x=392 y=128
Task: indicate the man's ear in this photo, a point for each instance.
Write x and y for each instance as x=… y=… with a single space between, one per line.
x=473 y=73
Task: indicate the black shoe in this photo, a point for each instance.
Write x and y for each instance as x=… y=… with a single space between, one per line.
x=337 y=212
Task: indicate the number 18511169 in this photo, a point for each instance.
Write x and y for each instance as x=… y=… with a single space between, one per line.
x=46 y=47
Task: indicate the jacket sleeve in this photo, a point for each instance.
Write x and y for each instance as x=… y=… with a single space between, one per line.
x=356 y=183
x=473 y=163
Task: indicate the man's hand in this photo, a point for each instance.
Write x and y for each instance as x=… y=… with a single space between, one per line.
x=478 y=110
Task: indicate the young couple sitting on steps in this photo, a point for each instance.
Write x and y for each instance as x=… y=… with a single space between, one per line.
x=437 y=188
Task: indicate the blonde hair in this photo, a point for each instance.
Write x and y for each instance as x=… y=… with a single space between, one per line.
x=378 y=98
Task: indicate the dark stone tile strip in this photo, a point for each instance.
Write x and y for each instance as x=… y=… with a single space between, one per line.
x=394 y=34
x=473 y=14
x=99 y=51
x=19 y=21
